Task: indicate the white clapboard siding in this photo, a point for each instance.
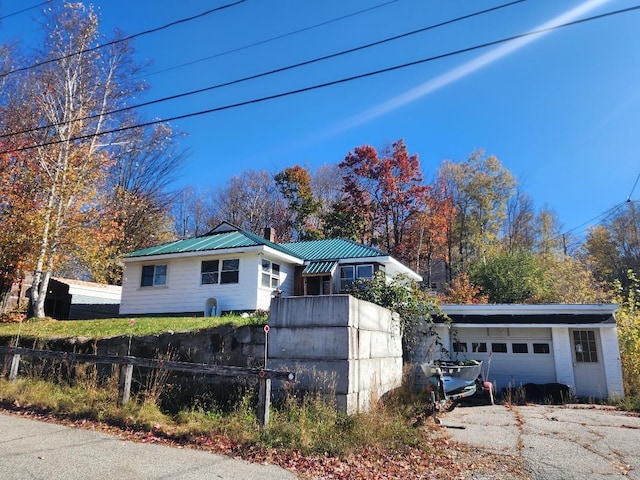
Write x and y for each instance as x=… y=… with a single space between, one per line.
x=184 y=292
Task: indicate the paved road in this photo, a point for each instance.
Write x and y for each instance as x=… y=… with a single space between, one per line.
x=37 y=450
x=554 y=442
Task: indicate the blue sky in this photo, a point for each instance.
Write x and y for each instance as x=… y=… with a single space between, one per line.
x=561 y=110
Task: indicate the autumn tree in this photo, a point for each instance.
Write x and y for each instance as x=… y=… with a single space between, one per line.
x=341 y=221
x=628 y=322
x=385 y=192
x=614 y=246
x=462 y=291
x=77 y=82
x=602 y=250
x=294 y=184
x=18 y=186
x=481 y=188
x=137 y=196
x=428 y=232
x=568 y=280
x=18 y=199
x=549 y=241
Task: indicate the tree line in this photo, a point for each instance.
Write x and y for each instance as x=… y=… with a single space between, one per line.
x=80 y=187
x=471 y=232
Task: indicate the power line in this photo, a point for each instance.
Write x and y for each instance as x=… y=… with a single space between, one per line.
x=633 y=188
x=601 y=217
x=331 y=83
x=271 y=39
x=114 y=42
x=8 y=15
x=270 y=72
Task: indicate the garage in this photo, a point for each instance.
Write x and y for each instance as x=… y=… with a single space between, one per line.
x=511 y=356
x=575 y=345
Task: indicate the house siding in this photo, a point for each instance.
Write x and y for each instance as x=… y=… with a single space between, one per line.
x=264 y=294
x=183 y=292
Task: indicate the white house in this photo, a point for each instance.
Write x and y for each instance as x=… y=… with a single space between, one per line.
x=575 y=345
x=232 y=270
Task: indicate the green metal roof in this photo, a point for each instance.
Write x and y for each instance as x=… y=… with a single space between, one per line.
x=211 y=241
x=229 y=236
x=319 y=268
x=331 y=249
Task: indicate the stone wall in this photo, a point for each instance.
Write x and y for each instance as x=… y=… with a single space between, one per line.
x=242 y=347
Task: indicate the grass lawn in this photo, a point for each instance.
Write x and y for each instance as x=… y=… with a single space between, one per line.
x=113 y=327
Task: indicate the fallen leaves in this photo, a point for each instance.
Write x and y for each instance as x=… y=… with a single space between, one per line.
x=440 y=458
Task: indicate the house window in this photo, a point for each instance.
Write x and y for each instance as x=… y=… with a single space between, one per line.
x=209 y=272
x=584 y=344
x=499 y=347
x=347 y=277
x=230 y=271
x=519 y=348
x=153 y=275
x=213 y=272
x=351 y=273
x=459 y=347
x=541 y=348
x=479 y=347
x=364 y=272
x=270 y=274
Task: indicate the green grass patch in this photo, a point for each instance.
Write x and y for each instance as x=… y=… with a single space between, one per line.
x=114 y=327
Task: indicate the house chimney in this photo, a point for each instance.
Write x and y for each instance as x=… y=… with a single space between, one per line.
x=270 y=234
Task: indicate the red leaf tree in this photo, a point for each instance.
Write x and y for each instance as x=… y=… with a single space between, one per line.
x=384 y=191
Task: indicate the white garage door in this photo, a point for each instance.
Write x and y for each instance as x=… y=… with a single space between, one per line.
x=511 y=356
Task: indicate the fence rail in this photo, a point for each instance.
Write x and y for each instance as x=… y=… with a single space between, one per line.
x=127 y=363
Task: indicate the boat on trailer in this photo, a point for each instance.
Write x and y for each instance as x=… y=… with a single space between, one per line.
x=449 y=381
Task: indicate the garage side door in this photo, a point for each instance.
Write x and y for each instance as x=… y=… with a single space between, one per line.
x=511 y=356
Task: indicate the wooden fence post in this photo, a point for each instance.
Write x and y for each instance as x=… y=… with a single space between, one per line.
x=15 y=363
x=126 y=371
x=264 y=400
x=124 y=384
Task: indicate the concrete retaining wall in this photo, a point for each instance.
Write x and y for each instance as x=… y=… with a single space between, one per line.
x=337 y=344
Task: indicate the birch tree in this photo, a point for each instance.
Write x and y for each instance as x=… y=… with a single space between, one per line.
x=72 y=89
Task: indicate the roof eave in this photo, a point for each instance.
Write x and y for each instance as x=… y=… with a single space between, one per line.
x=195 y=253
x=401 y=269
x=521 y=309
x=281 y=255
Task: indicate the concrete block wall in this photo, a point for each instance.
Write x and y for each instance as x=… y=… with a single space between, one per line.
x=337 y=344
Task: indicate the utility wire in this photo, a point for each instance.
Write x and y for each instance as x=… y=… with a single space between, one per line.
x=601 y=217
x=268 y=40
x=8 y=15
x=113 y=42
x=327 y=84
x=270 y=72
x=633 y=188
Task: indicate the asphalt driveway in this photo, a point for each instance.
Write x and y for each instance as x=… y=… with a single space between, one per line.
x=554 y=442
